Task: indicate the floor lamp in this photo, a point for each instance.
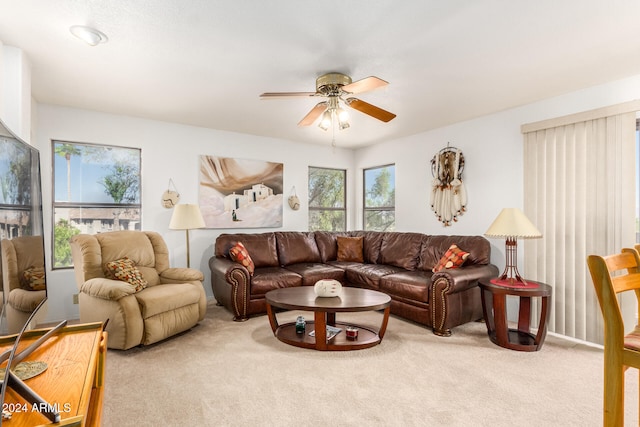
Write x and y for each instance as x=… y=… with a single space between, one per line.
x=186 y=217
x=512 y=224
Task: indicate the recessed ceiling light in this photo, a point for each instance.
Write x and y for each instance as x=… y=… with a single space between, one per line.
x=89 y=35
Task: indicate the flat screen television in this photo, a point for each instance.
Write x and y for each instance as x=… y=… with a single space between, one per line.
x=23 y=288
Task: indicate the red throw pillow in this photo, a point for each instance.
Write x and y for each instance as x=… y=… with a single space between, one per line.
x=239 y=254
x=454 y=257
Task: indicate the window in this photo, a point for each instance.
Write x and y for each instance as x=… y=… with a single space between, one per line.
x=327 y=199
x=96 y=188
x=380 y=198
x=19 y=200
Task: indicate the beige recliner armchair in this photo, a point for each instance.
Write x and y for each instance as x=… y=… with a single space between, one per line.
x=23 y=278
x=173 y=300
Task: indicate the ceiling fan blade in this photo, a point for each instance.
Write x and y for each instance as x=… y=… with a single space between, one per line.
x=363 y=85
x=273 y=95
x=369 y=109
x=313 y=114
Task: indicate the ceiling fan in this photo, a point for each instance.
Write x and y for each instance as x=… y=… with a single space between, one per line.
x=338 y=87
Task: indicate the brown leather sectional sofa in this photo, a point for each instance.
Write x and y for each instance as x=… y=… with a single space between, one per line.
x=398 y=264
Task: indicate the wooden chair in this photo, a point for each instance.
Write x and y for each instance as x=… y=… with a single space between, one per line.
x=614 y=274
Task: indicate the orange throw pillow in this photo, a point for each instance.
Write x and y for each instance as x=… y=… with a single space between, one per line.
x=239 y=254
x=33 y=279
x=454 y=257
x=350 y=249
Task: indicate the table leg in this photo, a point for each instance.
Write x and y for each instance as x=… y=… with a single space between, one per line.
x=524 y=314
x=487 y=310
x=500 y=318
x=272 y=318
x=385 y=320
x=331 y=319
x=542 y=327
x=320 y=324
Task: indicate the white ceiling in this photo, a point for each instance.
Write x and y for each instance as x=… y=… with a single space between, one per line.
x=205 y=62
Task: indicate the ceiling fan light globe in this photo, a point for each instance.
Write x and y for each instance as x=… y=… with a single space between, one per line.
x=343 y=115
x=325 y=122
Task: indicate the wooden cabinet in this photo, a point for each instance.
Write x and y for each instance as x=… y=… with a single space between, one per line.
x=73 y=382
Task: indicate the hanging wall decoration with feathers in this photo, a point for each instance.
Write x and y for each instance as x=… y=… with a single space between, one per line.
x=448 y=194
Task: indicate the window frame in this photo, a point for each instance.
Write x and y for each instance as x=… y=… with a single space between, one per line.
x=328 y=208
x=67 y=205
x=365 y=208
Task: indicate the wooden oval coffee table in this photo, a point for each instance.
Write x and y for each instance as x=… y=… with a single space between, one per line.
x=325 y=309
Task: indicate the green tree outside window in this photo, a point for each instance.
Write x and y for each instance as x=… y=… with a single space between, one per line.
x=379 y=198
x=327 y=195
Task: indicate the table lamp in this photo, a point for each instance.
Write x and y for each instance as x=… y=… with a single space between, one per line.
x=186 y=217
x=512 y=224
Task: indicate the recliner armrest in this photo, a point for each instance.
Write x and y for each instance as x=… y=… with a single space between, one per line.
x=108 y=289
x=181 y=275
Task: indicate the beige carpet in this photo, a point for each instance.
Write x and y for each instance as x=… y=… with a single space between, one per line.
x=224 y=373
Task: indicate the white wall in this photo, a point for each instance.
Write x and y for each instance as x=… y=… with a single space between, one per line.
x=492 y=146
x=15 y=91
x=170 y=151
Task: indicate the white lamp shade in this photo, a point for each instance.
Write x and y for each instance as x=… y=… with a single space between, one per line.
x=186 y=217
x=512 y=222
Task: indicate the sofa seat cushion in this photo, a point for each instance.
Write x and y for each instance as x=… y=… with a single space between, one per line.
x=412 y=285
x=162 y=298
x=312 y=272
x=368 y=275
x=268 y=278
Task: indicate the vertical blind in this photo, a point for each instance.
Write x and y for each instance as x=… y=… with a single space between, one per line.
x=579 y=186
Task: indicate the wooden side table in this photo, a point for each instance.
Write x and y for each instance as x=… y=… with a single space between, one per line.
x=73 y=383
x=494 y=308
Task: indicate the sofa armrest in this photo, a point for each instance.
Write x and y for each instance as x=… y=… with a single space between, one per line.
x=231 y=285
x=181 y=275
x=461 y=279
x=455 y=296
x=107 y=288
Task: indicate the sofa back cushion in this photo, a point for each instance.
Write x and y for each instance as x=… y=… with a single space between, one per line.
x=260 y=246
x=371 y=243
x=295 y=247
x=327 y=244
x=434 y=247
x=401 y=249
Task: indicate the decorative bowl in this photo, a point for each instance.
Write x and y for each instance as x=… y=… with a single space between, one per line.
x=327 y=288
